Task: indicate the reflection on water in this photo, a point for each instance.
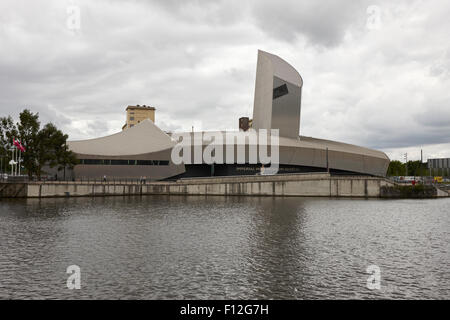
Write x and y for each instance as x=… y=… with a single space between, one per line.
x=175 y=247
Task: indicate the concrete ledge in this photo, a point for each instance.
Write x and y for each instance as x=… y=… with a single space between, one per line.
x=315 y=185
x=13 y=190
x=254 y=178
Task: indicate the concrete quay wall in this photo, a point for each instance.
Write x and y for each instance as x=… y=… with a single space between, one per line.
x=319 y=185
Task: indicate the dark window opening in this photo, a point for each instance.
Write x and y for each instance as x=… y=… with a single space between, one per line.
x=280 y=91
x=91 y=161
x=152 y=163
x=121 y=162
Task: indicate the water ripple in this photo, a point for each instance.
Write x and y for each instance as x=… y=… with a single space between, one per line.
x=161 y=247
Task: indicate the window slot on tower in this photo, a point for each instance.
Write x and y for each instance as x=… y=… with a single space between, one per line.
x=280 y=91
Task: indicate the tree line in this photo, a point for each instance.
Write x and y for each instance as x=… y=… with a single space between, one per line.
x=45 y=146
x=411 y=168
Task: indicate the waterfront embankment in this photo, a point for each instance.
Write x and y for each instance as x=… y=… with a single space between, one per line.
x=317 y=184
x=310 y=185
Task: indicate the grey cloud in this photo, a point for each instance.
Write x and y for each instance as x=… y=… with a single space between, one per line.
x=321 y=22
x=436 y=117
x=212 y=12
x=195 y=62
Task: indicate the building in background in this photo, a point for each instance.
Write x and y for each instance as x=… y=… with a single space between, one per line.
x=278 y=92
x=440 y=166
x=141 y=151
x=145 y=150
x=245 y=123
x=136 y=114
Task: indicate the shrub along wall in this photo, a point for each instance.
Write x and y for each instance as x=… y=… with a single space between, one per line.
x=418 y=191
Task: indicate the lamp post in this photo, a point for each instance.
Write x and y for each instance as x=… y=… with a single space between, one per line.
x=65 y=150
x=19 y=160
x=406 y=163
x=15 y=161
x=12 y=162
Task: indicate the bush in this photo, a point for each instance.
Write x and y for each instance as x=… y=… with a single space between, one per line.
x=417 y=191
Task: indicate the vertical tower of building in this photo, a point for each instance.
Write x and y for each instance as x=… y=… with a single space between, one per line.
x=135 y=114
x=278 y=92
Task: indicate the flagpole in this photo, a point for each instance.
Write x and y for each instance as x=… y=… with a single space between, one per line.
x=20 y=157
x=12 y=158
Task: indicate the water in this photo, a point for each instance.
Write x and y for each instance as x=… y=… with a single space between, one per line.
x=174 y=247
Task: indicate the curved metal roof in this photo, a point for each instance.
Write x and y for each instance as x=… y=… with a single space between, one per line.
x=304 y=142
x=145 y=137
x=281 y=68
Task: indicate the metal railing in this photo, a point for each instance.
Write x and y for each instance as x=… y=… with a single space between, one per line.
x=81 y=180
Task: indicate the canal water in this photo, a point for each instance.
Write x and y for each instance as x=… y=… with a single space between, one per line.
x=175 y=247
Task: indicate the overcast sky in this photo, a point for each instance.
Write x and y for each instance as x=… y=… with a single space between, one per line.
x=376 y=74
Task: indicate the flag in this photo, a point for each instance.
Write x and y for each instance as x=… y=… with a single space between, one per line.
x=18 y=145
x=21 y=147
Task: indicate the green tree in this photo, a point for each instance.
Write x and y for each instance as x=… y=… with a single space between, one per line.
x=66 y=159
x=8 y=131
x=53 y=150
x=396 y=168
x=28 y=127
x=45 y=146
x=44 y=149
x=416 y=168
